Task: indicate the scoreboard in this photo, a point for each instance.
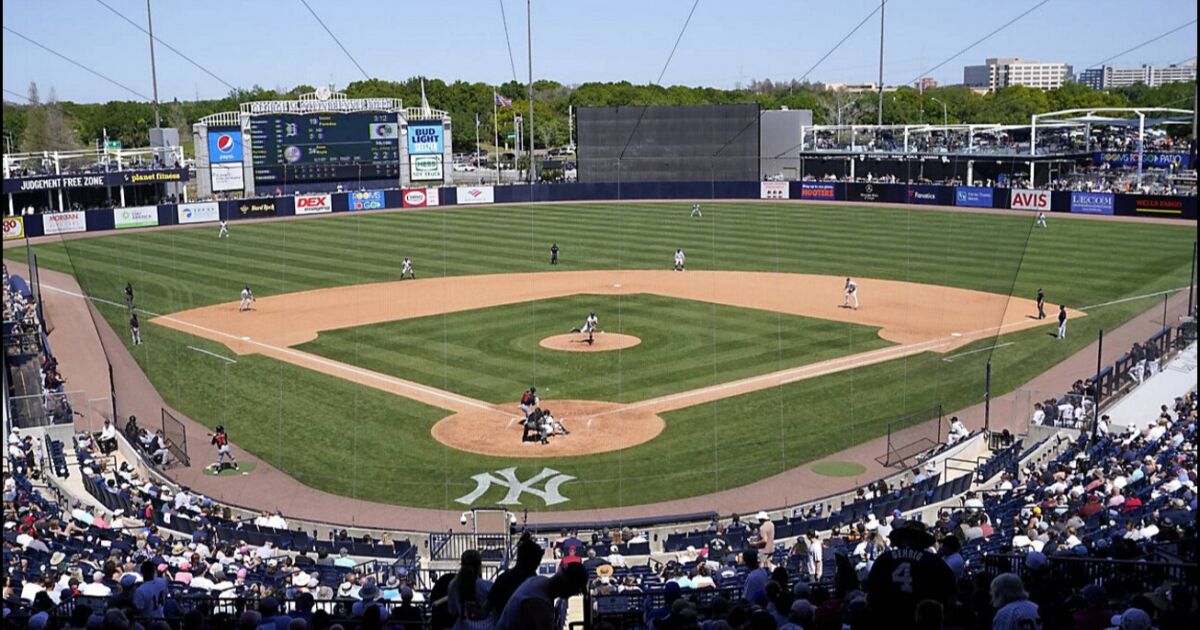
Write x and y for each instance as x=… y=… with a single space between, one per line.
x=325 y=147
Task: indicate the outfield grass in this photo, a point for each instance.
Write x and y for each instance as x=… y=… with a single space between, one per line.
x=357 y=441
x=685 y=345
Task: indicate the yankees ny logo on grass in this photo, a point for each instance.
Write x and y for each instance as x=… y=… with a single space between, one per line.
x=508 y=479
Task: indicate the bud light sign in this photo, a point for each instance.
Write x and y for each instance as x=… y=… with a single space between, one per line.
x=224 y=146
x=424 y=139
x=1092 y=202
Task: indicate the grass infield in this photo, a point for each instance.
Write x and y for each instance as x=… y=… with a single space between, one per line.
x=838 y=469
x=356 y=441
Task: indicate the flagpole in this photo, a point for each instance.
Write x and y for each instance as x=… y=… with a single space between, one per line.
x=477 y=141
x=496 y=133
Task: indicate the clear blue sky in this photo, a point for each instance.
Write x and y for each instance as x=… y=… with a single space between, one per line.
x=276 y=43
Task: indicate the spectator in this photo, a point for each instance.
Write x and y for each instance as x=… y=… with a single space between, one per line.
x=534 y=605
x=1014 y=610
x=468 y=594
x=905 y=574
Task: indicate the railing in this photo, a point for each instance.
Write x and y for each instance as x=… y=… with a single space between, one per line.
x=1137 y=575
x=451 y=545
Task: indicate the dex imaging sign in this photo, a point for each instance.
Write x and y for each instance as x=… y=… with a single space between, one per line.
x=424 y=139
x=1030 y=200
x=314 y=204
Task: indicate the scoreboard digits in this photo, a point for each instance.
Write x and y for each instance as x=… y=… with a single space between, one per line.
x=325 y=147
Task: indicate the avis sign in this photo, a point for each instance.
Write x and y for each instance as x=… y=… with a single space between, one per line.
x=507 y=478
x=1030 y=200
x=314 y=204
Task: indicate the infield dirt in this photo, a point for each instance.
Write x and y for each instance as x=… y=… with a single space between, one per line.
x=917 y=317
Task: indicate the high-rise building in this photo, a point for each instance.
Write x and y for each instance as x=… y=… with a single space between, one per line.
x=1002 y=72
x=1108 y=77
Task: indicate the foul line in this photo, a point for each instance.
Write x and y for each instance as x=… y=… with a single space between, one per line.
x=211 y=354
x=461 y=400
x=963 y=354
x=1130 y=299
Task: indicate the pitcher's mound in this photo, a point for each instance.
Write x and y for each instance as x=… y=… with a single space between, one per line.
x=577 y=342
x=596 y=427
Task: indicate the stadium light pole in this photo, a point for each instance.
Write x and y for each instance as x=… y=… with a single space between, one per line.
x=529 y=45
x=153 y=68
x=882 y=4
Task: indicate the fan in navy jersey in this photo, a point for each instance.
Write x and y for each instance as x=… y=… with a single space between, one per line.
x=907 y=574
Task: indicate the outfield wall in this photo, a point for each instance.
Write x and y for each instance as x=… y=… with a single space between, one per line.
x=1113 y=204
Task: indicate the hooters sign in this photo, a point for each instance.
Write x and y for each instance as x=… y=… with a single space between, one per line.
x=314 y=204
x=420 y=197
x=1030 y=200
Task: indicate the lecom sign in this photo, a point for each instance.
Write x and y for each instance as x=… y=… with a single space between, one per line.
x=314 y=204
x=1030 y=200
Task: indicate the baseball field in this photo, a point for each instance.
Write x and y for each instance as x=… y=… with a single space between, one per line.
x=743 y=366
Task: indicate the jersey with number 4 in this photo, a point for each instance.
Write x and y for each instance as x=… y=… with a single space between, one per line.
x=902 y=577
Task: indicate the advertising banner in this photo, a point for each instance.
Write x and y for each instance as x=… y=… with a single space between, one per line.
x=420 y=197
x=425 y=138
x=476 y=194
x=14 y=227
x=385 y=131
x=817 y=190
x=923 y=194
x=773 y=190
x=973 y=196
x=64 y=223
x=256 y=207
x=135 y=217
x=225 y=146
x=875 y=192
x=314 y=204
x=1030 y=200
x=1156 y=204
x=227 y=177
x=1150 y=160
x=100 y=180
x=425 y=167
x=206 y=212
x=1092 y=202
x=366 y=200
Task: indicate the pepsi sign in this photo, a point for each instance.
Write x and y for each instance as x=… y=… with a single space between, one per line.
x=224 y=146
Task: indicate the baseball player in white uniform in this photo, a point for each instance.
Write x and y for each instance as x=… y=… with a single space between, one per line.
x=247 y=299
x=851 y=294
x=224 y=231
x=695 y=211
x=679 y=260
x=1041 y=219
x=406 y=269
x=589 y=327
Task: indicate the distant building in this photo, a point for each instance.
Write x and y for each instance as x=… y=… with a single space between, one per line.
x=1108 y=77
x=1002 y=72
x=925 y=83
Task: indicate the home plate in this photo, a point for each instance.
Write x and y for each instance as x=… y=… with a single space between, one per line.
x=955 y=334
x=245 y=339
x=616 y=286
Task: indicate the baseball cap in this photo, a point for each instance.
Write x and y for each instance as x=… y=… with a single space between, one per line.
x=1035 y=560
x=1132 y=619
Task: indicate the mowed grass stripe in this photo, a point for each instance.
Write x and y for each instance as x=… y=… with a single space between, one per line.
x=684 y=344
x=379 y=446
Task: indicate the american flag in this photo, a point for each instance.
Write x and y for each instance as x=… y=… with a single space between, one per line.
x=501 y=101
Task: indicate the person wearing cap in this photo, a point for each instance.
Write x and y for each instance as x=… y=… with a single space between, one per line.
x=814 y=556
x=905 y=574
x=958 y=431
x=534 y=605
x=765 y=539
x=368 y=596
x=1132 y=619
x=801 y=615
